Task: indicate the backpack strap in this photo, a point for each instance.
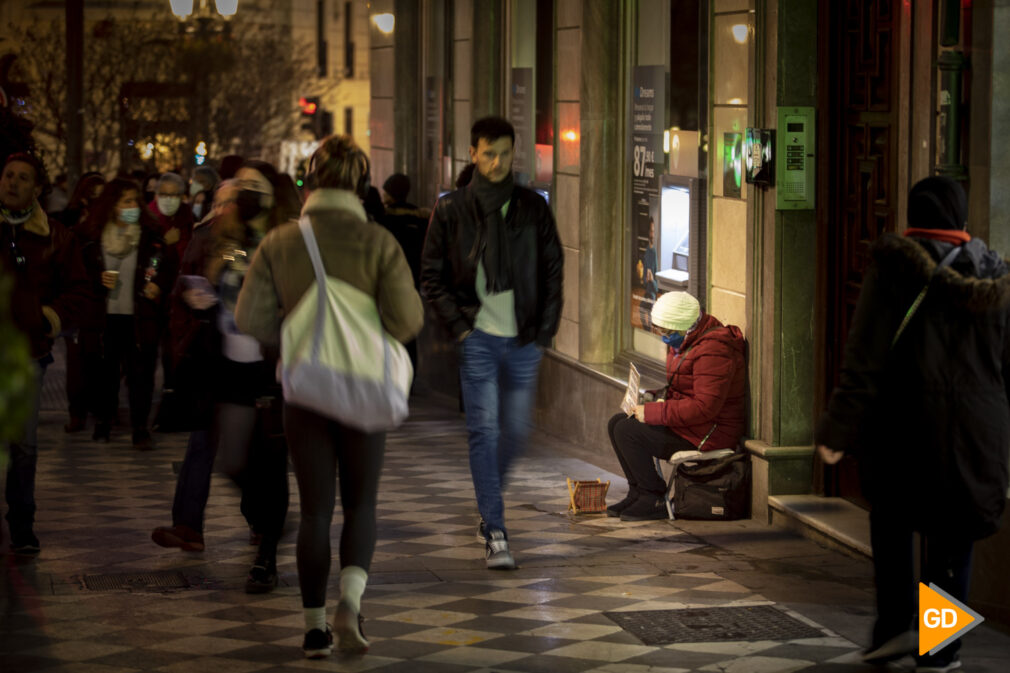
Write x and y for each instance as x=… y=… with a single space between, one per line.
x=945 y=262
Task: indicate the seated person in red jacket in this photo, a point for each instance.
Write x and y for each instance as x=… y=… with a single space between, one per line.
x=702 y=406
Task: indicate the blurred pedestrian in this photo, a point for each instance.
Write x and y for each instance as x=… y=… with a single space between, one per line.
x=501 y=305
x=137 y=268
x=229 y=166
x=85 y=192
x=201 y=191
x=367 y=257
x=922 y=403
x=49 y=294
x=247 y=398
x=408 y=224
x=59 y=195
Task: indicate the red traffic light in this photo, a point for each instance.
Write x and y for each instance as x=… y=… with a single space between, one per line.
x=308 y=105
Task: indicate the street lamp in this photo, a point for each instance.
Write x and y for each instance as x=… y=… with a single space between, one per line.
x=201 y=18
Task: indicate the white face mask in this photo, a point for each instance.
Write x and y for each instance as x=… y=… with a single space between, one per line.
x=169 y=205
x=197 y=211
x=195 y=188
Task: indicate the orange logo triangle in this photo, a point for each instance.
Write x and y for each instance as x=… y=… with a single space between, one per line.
x=942 y=619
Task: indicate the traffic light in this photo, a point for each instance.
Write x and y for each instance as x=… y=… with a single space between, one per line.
x=315 y=119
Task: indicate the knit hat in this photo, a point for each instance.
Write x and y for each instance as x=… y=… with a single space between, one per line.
x=676 y=311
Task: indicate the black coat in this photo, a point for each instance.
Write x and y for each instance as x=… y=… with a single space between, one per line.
x=455 y=243
x=929 y=419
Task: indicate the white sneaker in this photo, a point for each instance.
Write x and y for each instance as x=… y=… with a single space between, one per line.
x=895 y=648
x=347 y=625
x=497 y=553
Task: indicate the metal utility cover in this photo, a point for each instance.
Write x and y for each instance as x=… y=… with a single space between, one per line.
x=706 y=625
x=136 y=581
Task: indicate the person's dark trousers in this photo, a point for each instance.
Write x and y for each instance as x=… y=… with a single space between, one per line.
x=84 y=371
x=499 y=383
x=323 y=450
x=637 y=444
x=24 y=458
x=193 y=485
x=122 y=352
x=947 y=564
x=258 y=467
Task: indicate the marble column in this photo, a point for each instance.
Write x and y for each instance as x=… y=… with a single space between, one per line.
x=408 y=123
x=602 y=157
x=488 y=64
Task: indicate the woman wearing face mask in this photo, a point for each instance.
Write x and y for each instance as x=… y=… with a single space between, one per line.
x=175 y=224
x=132 y=271
x=701 y=408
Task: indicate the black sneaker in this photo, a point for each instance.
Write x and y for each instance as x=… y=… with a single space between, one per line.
x=618 y=507
x=648 y=507
x=25 y=544
x=906 y=642
x=496 y=551
x=318 y=644
x=937 y=667
x=262 y=577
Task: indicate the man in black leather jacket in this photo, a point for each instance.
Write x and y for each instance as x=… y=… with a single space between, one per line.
x=491 y=272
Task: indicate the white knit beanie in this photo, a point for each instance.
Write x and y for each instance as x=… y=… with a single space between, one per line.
x=676 y=311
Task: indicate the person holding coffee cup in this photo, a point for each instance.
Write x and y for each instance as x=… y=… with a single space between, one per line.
x=133 y=269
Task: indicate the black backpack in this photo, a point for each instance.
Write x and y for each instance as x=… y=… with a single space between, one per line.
x=716 y=490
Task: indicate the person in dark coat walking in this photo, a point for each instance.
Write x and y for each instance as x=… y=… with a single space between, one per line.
x=49 y=293
x=922 y=403
x=408 y=224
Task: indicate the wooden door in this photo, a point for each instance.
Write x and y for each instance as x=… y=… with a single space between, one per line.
x=862 y=114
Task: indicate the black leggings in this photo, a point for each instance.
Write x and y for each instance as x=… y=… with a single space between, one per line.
x=317 y=446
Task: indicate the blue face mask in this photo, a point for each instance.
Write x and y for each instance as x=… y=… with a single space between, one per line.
x=129 y=215
x=674 y=340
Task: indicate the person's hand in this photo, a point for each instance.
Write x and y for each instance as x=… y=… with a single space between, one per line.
x=648 y=276
x=199 y=300
x=464 y=335
x=172 y=236
x=640 y=413
x=109 y=279
x=829 y=456
x=151 y=291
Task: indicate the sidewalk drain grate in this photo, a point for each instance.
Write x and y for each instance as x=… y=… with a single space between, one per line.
x=706 y=625
x=136 y=581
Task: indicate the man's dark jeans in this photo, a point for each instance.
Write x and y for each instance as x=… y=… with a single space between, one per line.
x=24 y=458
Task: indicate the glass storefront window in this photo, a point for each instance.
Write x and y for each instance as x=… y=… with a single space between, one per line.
x=668 y=108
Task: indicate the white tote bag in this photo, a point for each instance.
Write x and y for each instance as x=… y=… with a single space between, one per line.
x=336 y=358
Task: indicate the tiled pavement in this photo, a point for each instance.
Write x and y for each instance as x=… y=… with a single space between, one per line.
x=430 y=604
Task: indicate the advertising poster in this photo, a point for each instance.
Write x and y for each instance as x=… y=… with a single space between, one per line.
x=648 y=162
x=521 y=114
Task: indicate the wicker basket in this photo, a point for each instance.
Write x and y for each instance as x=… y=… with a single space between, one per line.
x=587 y=496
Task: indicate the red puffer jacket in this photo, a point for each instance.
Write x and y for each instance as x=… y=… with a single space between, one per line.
x=706 y=396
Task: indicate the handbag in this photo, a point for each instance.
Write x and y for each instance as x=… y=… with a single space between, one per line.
x=717 y=490
x=336 y=358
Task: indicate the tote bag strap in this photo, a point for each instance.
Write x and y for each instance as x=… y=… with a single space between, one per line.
x=317 y=264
